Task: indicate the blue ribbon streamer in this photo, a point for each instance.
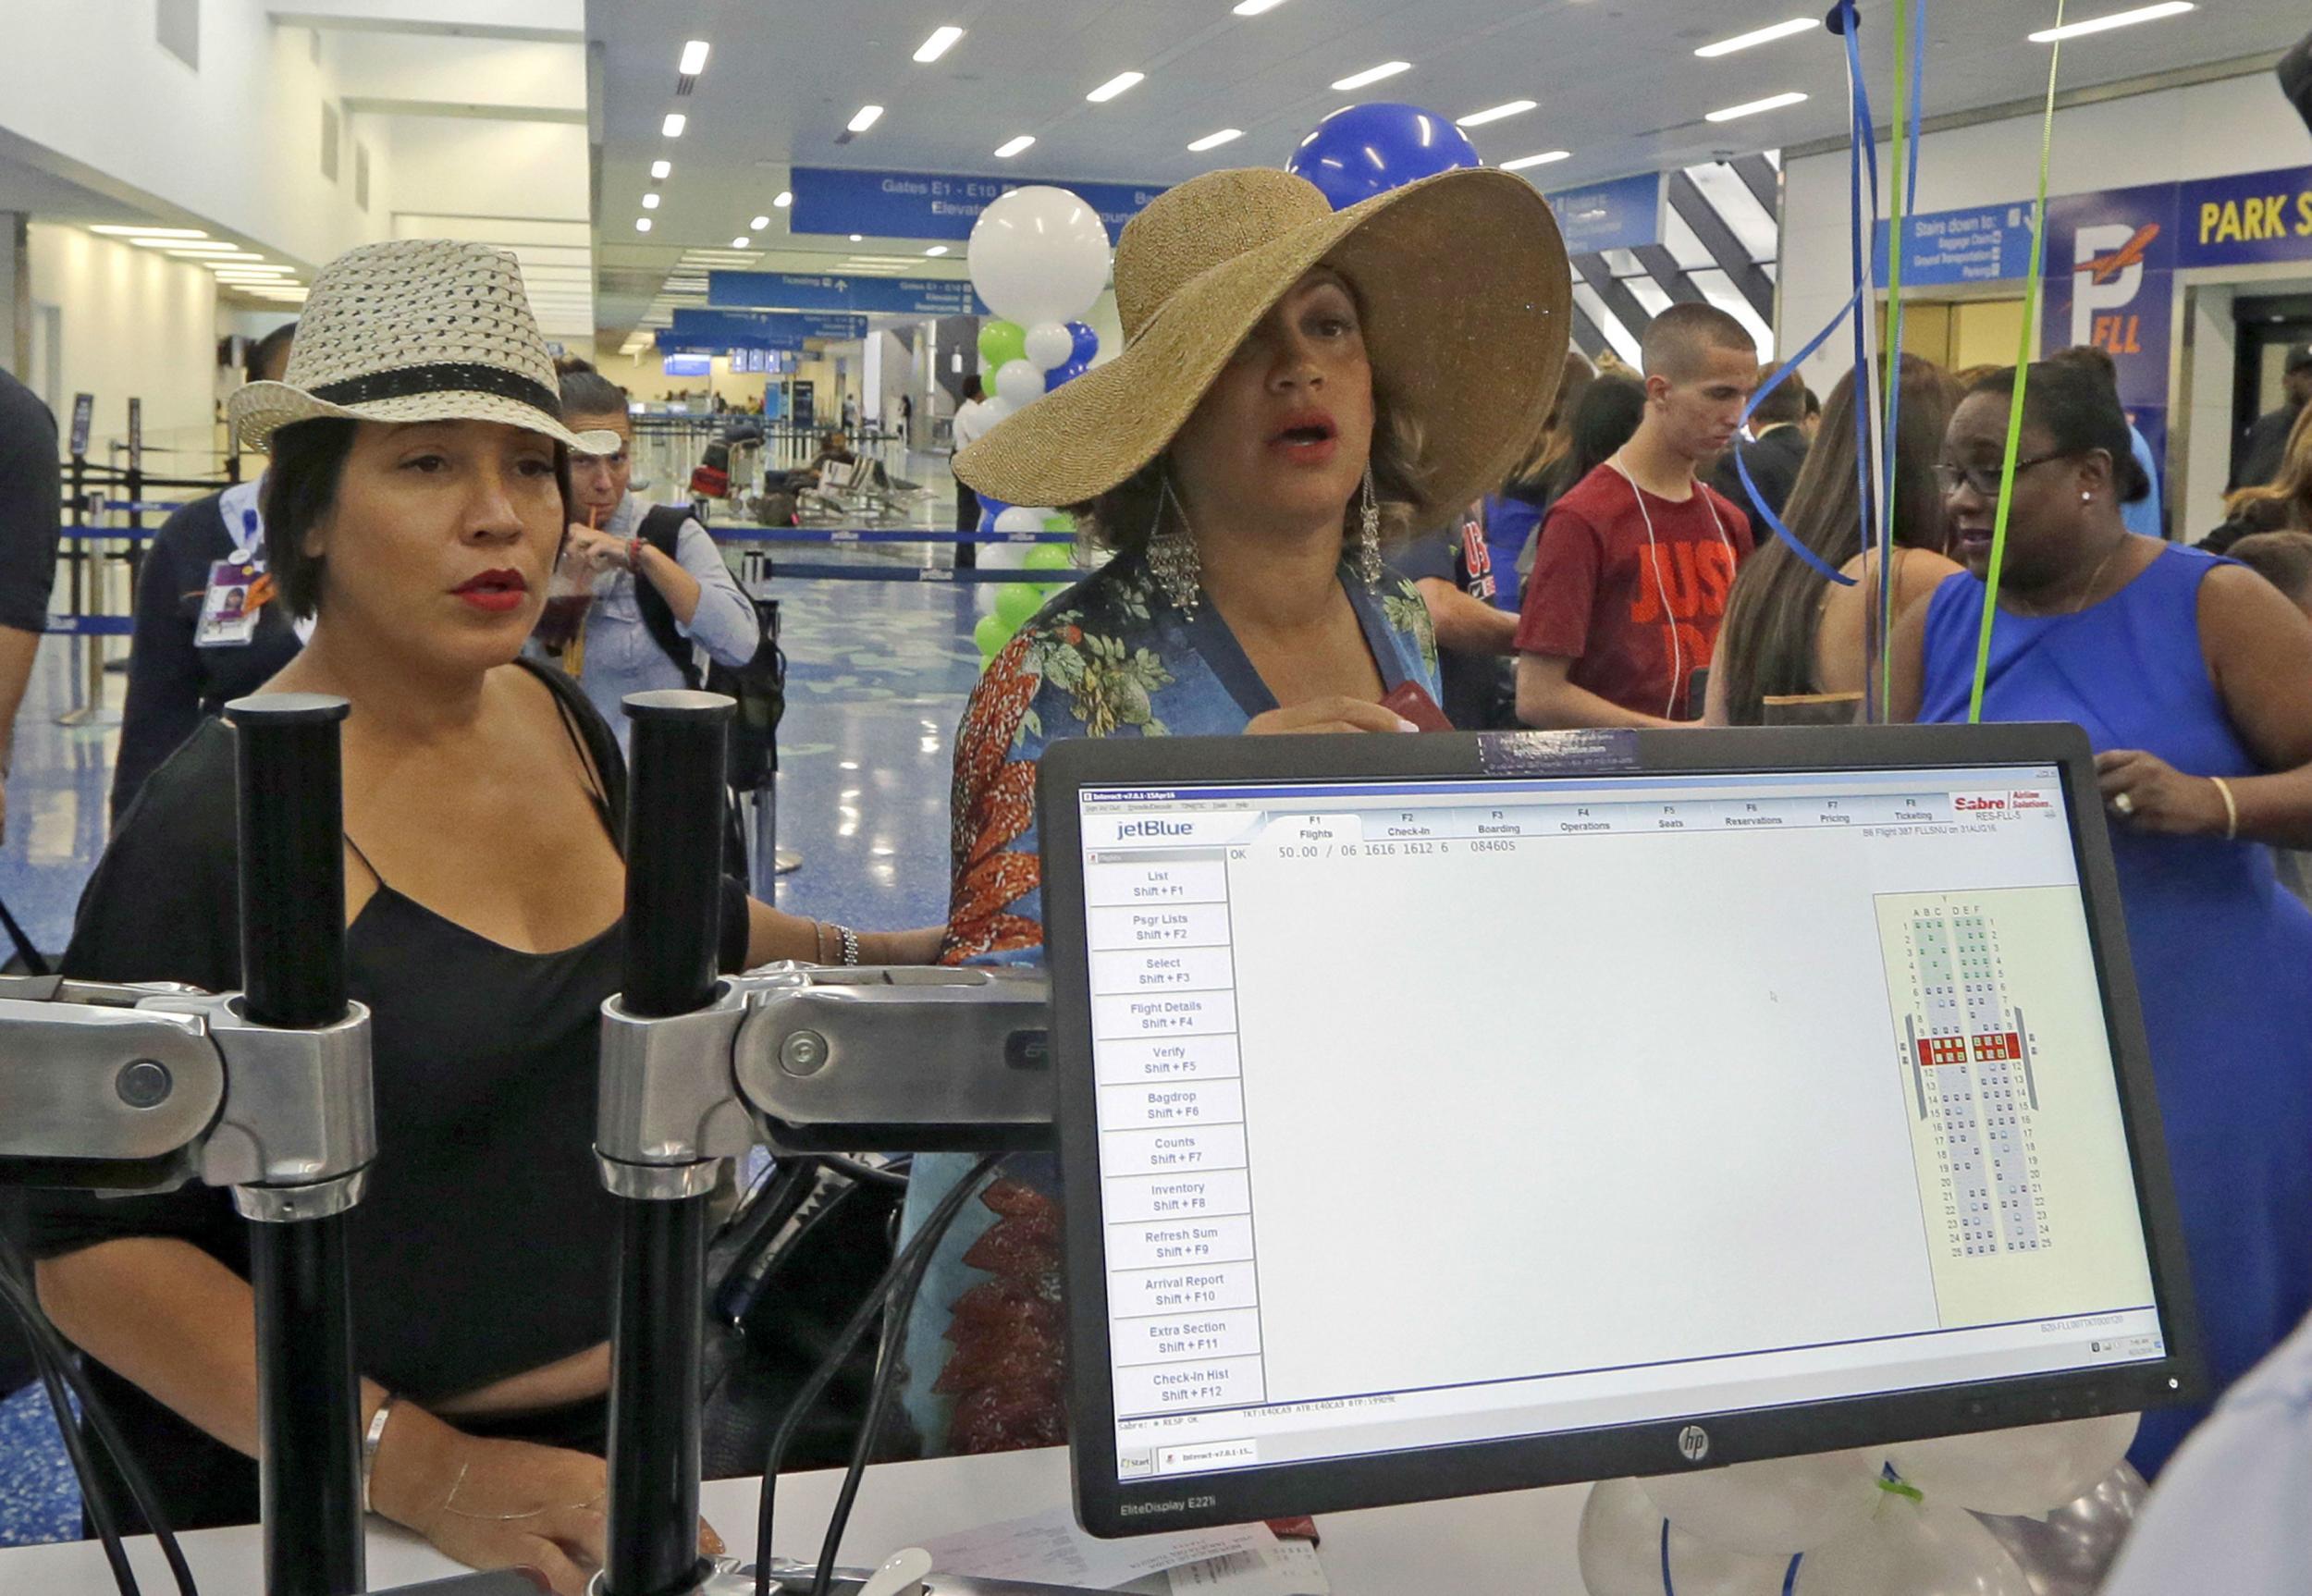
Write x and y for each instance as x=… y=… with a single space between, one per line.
x=1862 y=137
x=1909 y=133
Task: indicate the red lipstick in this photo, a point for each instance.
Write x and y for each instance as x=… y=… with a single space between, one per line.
x=498 y=592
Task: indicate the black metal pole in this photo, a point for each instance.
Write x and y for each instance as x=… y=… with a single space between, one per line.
x=292 y=960
x=673 y=929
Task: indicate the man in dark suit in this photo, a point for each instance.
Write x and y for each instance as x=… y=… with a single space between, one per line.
x=2266 y=445
x=1774 y=451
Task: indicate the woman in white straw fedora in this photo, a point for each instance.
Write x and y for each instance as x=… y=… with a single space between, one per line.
x=417 y=495
x=1298 y=387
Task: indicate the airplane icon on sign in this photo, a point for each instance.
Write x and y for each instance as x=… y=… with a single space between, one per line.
x=2105 y=268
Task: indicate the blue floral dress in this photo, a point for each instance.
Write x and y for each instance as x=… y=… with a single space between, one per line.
x=1110 y=658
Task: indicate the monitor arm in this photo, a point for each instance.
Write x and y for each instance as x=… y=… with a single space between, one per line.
x=694 y=1071
x=265 y=1092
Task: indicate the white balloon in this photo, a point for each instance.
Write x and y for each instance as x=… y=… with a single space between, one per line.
x=1020 y=518
x=1050 y=344
x=1913 y=1549
x=1782 y=1505
x=1620 y=1548
x=1038 y=254
x=1003 y=555
x=2032 y=1470
x=1018 y=384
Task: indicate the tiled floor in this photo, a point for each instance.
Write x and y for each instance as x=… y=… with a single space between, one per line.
x=877 y=675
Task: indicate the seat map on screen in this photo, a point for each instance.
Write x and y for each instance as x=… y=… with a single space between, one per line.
x=1446 y=1111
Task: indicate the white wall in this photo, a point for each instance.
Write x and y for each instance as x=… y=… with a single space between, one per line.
x=134 y=323
x=2173 y=135
x=237 y=141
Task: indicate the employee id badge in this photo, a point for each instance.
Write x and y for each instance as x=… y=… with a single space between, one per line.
x=228 y=610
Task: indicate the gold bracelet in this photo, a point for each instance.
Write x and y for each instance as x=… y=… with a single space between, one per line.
x=2232 y=809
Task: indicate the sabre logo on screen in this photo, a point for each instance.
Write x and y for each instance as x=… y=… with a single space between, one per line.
x=1693 y=1444
x=1984 y=805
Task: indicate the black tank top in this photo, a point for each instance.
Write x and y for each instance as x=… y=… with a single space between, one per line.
x=484 y=1243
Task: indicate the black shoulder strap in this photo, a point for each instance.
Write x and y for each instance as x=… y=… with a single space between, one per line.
x=595 y=742
x=663 y=529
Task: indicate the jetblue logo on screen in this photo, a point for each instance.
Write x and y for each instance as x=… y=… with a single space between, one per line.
x=1693 y=1444
x=1153 y=828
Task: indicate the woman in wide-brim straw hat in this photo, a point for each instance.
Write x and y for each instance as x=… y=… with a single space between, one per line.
x=1298 y=388
x=416 y=499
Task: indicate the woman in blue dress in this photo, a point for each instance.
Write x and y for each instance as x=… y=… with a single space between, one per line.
x=2191 y=676
x=1298 y=388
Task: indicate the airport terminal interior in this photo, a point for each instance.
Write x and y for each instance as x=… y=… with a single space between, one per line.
x=1776 y=537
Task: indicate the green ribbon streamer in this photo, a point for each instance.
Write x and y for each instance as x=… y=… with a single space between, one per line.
x=1902 y=1489
x=1891 y=360
x=2023 y=378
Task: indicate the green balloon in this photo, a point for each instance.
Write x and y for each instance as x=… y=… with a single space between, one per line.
x=1001 y=342
x=1049 y=556
x=992 y=633
x=1063 y=523
x=1015 y=604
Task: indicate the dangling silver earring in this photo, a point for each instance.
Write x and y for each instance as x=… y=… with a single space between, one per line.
x=1172 y=557
x=1369 y=534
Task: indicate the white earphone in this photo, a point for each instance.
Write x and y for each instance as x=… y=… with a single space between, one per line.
x=1678 y=652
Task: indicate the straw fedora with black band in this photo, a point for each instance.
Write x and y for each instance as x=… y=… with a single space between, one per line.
x=415 y=330
x=1462 y=281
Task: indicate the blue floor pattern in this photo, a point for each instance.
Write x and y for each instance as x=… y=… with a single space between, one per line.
x=878 y=672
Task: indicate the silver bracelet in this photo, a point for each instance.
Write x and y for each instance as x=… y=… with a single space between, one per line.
x=850 y=944
x=370 y=1440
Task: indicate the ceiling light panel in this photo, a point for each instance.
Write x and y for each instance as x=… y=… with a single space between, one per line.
x=1255 y=7
x=2116 y=19
x=1214 y=140
x=650 y=202
x=662 y=169
x=1757 y=36
x=151 y=232
x=694 y=60
x=1114 y=86
x=1544 y=159
x=938 y=45
x=1372 y=75
x=785 y=199
x=1010 y=147
x=1496 y=113
x=674 y=124
x=1752 y=108
x=867 y=117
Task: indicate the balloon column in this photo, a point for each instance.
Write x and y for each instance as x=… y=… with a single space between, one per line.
x=1039 y=259
x=2033 y=1512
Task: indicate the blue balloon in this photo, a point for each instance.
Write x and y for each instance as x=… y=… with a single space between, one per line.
x=1086 y=343
x=988 y=510
x=1061 y=373
x=1360 y=151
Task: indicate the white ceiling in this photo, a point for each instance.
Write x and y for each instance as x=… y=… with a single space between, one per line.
x=1617 y=80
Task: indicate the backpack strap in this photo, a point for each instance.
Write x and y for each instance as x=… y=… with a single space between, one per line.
x=663 y=529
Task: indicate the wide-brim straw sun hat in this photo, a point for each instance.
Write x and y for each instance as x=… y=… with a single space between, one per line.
x=415 y=330
x=1466 y=299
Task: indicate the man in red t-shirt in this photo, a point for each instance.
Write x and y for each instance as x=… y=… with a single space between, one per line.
x=1631 y=575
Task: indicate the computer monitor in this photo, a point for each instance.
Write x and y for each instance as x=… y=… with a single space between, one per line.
x=1447 y=1114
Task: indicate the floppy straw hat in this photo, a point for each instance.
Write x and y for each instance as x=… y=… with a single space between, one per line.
x=418 y=329
x=1463 y=284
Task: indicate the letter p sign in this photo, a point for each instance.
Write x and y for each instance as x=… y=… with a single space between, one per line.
x=2099 y=282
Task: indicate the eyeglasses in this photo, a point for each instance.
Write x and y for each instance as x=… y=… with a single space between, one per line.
x=1984 y=479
